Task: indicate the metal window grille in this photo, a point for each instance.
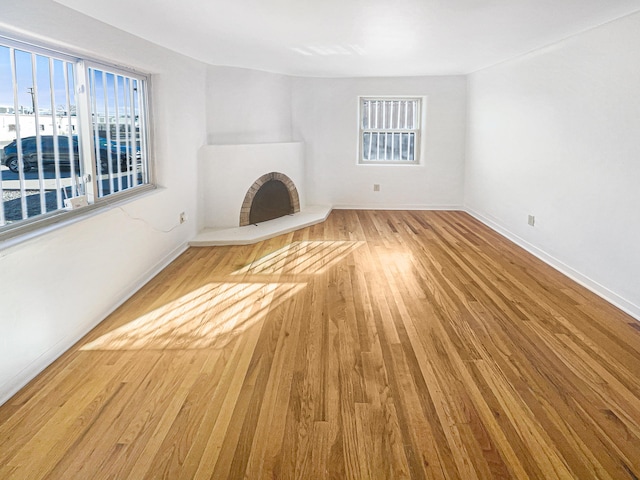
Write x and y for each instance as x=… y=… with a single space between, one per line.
x=74 y=128
x=389 y=130
x=118 y=126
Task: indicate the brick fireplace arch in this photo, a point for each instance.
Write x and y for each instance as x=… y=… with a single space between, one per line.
x=245 y=210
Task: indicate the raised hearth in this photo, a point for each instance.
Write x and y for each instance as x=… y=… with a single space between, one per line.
x=256 y=233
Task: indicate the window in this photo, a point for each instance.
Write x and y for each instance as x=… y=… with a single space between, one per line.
x=389 y=130
x=78 y=130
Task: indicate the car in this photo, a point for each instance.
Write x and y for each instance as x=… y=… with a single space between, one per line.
x=30 y=153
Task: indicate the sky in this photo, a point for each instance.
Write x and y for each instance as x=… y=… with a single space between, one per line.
x=24 y=74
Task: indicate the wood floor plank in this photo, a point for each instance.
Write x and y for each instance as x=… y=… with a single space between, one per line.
x=272 y=416
x=375 y=345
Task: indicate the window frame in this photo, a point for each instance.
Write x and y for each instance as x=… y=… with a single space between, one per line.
x=418 y=132
x=12 y=233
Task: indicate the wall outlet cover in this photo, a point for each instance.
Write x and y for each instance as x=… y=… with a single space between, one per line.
x=76 y=202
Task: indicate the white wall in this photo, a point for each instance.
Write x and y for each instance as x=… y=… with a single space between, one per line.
x=556 y=134
x=325 y=118
x=247 y=106
x=57 y=286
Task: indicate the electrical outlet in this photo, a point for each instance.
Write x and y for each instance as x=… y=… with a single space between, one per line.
x=376 y=187
x=183 y=217
x=532 y=220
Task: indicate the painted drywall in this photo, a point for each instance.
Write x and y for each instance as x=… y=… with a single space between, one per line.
x=57 y=286
x=325 y=118
x=556 y=134
x=247 y=106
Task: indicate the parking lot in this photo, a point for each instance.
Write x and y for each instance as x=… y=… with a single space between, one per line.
x=12 y=191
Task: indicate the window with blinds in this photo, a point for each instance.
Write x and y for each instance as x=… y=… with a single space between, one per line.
x=390 y=130
x=72 y=133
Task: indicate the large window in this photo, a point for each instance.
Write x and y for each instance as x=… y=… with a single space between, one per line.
x=73 y=134
x=389 y=130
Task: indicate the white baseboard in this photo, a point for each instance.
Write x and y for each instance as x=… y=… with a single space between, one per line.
x=396 y=207
x=600 y=290
x=13 y=386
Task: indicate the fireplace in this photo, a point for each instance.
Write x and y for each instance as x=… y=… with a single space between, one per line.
x=227 y=190
x=273 y=195
x=230 y=176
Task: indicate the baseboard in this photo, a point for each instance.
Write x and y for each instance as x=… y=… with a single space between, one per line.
x=600 y=290
x=19 y=381
x=396 y=207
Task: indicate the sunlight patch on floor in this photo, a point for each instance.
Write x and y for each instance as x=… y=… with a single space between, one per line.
x=212 y=315
x=208 y=317
x=301 y=258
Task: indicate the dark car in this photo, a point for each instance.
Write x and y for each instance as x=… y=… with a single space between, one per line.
x=30 y=153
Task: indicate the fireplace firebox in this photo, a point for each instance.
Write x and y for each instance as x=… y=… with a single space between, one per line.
x=272 y=196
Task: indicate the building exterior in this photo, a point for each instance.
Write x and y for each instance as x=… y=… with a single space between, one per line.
x=29 y=123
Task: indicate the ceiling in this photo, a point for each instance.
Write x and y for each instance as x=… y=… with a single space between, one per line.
x=344 y=38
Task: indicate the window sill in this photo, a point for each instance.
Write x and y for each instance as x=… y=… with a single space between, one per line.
x=390 y=164
x=62 y=218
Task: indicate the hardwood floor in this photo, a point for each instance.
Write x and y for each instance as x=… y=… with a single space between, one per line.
x=376 y=345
